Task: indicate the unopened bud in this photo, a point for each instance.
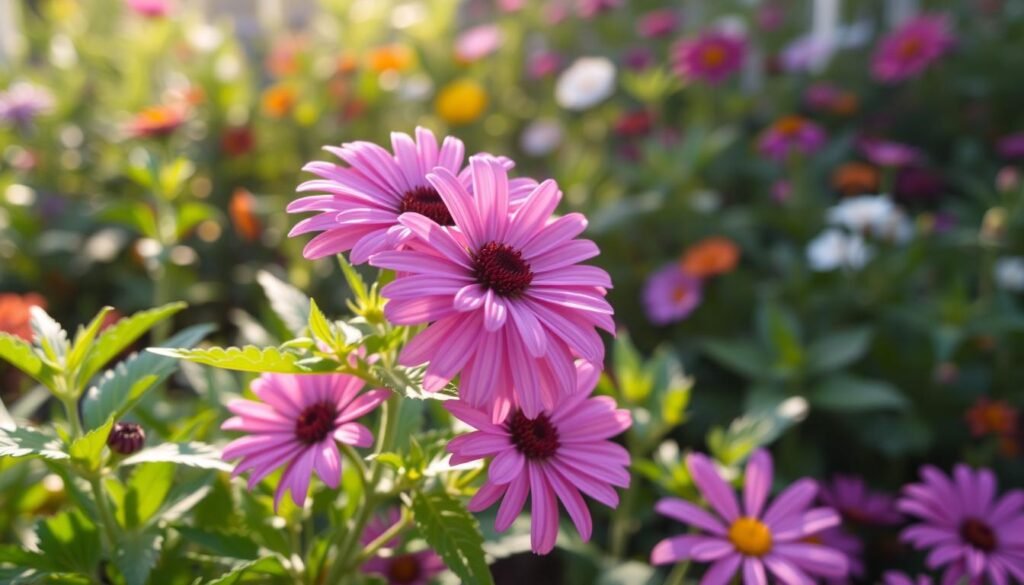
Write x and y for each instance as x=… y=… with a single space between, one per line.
x=126 y=438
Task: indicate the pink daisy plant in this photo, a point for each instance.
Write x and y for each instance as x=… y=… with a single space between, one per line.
x=790 y=135
x=888 y=153
x=712 y=57
x=297 y=424
x=756 y=539
x=965 y=526
x=898 y=578
x=857 y=503
x=551 y=457
x=410 y=568
x=508 y=303
x=671 y=294
x=910 y=49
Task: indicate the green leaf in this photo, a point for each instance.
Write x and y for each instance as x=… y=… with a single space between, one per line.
x=49 y=336
x=145 y=493
x=742 y=357
x=71 y=541
x=193 y=454
x=289 y=303
x=122 y=334
x=760 y=426
x=635 y=382
x=244 y=359
x=838 y=350
x=192 y=214
x=265 y=566
x=20 y=354
x=853 y=394
x=122 y=387
x=319 y=326
x=137 y=555
x=222 y=544
x=88 y=449
x=454 y=534
x=84 y=338
x=355 y=281
x=28 y=442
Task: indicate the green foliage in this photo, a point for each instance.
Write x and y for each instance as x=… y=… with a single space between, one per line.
x=122 y=334
x=50 y=337
x=838 y=350
x=192 y=454
x=289 y=303
x=70 y=541
x=245 y=359
x=136 y=556
x=138 y=502
x=757 y=428
x=27 y=442
x=849 y=394
x=88 y=449
x=21 y=355
x=454 y=533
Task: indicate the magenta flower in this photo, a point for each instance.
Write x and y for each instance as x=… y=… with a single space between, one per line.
x=851 y=497
x=910 y=49
x=671 y=294
x=543 y=64
x=886 y=153
x=898 y=578
x=838 y=538
x=758 y=540
x=151 y=8
x=508 y=304
x=478 y=42
x=712 y=57
x=415 y=568
x=790 y=135
x=552 y=457
x=1011 y=146
x=591 y=8
x=966 y=527
x=657 y=23
x=296 y=424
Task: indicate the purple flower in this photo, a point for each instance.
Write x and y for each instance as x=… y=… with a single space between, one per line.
x=840 y=539
x=898 y=578
x=415 y=568
x=910 y=49
x=657 y=23
x=791 y=135
x=543 y=64
x=918 y=184
x=23 y=102
x=671 y=294
x=1011 y=146
x=886 y=153
x=638 y=58
x=591 y=8
x=857 y=503
x=754 y=539
x=967 y=528
x=478 y=42
x=711 y=57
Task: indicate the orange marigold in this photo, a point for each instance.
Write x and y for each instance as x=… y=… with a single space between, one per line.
x=855 y=178
x=390 y=58
x=278 y=100
x=711 y=256
x=992 y=417
x=14 y=313
x=243 y=215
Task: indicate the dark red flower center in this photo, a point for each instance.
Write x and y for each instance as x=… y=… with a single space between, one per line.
x=404 y=569
x=535 y=438
x=978 y=534
x=501 y=268
x=425 y=201
x=316 y=422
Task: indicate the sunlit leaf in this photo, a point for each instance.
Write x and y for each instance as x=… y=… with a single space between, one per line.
x=453 y=533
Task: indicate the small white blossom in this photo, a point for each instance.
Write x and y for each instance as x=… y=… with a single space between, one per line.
x=586 y=83
x=835 y=248
x=541 y=136
x=1009 y=273
x=873 y=215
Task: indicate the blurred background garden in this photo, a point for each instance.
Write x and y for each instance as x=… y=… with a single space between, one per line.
x=811 y=212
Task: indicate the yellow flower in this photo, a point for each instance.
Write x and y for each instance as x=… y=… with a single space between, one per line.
x=461 y=101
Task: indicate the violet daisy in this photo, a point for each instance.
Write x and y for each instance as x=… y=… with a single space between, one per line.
x=297 y=424
x=712 y=57
x=790 y=135
x=410 y=568
x=671 y=294
x=857 y=503
x=910 y=49
x=756 y=539
x=898 y=578
x=965 y=525
x=887 y=153
x=508 y=304
x=22 y=102
x=552 y=457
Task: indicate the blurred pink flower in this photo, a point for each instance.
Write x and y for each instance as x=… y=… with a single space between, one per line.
x=478 y=42
x=910 y=49
x=887 y=153
x=1011 y=146
x=711 y=57
x=418 y=568
x=898 y=578
x=551 y=457
x=790 y=135
x=151 y=8
x=857 y=503
x=511 y=5
x=543 y=64
x=671 y=294
x=22 y=102
x=658 y=23
x=638 y=58
x=771 y=16
x=591 y=8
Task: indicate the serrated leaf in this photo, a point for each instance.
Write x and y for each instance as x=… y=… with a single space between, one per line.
x=193 y=454
x=49 y=335
x=84 y=338
x=265 y=566
x=20 y=354
x=289 y=303
x=244 y=359
x=88 y=449
x=139 y=500
x=454 y=534
x=319 y=326
x=137 y=555
x=27 y=442
x=122 y=334
x=355 y=281
x=854 y=394
x=71 y=541
x=122 y=387
x=838 y=350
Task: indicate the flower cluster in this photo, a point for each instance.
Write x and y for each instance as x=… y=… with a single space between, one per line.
x=675 y=291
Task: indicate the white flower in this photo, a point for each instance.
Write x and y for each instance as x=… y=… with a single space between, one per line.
x=835 y=248
x=874 y=215
x=541 y=136
x=1009 y=273
x=586 y=83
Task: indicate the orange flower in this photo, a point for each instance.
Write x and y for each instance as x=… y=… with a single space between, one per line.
x=14 y=313
x=157 y=121
x=284 y=57
x=278 y=100
x=855 y=178
x=390 y=58
x=845 y=104
x=243 y=216
x=992 y=417
x=347 y=64
x=711 y=256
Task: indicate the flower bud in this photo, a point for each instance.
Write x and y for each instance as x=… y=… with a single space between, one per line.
x=126 y=438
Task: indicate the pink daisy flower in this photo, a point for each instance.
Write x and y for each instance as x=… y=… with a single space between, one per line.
x=790 y=135
x=838 y=538
x=297 y=424
x=591 y=8
x=657 y=23
x=552 y=457
x=756 y=539
x=478 y=42
x=965 y=526
x=851 y=497
x=416 y=568
x=887 y=153
x=898 y=578
x=671 y=294
x=712 y=57
x=910 y=49
x=509 y=305
x=1011 y=146
x=151 y=8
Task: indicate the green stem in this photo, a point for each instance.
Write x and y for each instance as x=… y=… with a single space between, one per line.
x=623 y=519
x=106 y=517
x=71 y=410
x=678 y=574
x=381 y=541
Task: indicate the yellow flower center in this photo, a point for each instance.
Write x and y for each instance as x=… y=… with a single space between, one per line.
x=790 y=125
x=712 y=56
x=750 y=536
